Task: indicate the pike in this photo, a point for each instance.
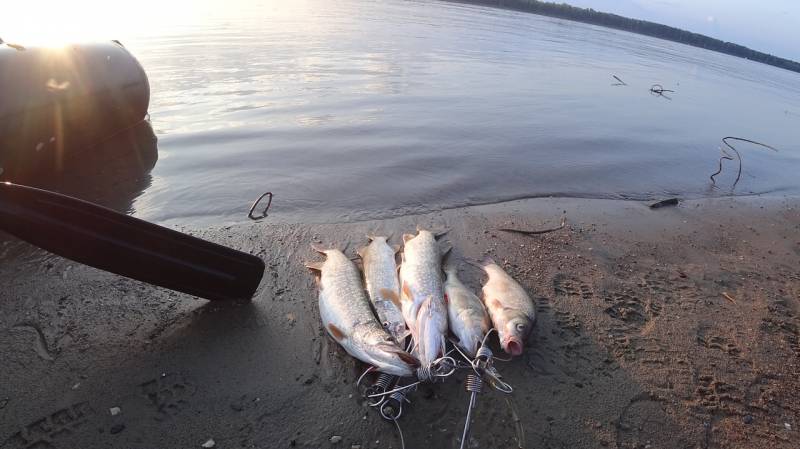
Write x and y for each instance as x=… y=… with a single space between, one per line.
x=511 y=309
x=466 y=314
x=347 y=317
x=422 y=294
x=380 y=274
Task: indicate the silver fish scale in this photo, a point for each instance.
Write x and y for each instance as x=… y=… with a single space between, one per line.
x=380 y=273
x=421 y=270
x=467 y=316
x=344 y=296
x=421 y=279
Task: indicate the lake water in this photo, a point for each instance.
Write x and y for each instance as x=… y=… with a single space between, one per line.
x=352 y=110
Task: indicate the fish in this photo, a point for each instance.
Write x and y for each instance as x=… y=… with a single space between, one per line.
x=383 y=287
x=511 y=309
x=422 y=294
x=348 y=318
x=466 y=314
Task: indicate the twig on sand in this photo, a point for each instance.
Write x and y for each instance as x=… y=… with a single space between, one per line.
x=728 y=297
x=517 y=424
x=536 y=232
x=620 y=83
x=727 y=156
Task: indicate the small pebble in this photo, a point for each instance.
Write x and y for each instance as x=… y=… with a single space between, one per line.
x=336 y=439
x=747 y=419
x=787 y=425
x=117 y=428
x=209 y=443
x=115 y=411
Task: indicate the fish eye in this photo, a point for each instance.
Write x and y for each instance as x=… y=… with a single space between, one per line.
x=521 y=326
x=386 y=324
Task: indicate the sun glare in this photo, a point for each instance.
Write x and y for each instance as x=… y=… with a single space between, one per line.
x=54 y=23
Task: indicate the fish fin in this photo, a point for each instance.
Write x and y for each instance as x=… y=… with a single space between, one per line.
x=405 y=334
x=404 y=356
x=497 y=304
x=316 y=266
x=426 y=304
x=454 y=338
x=407 y=237
x=407 y=293
x=436 y=234
x=362 y=251
x=408 y=358
x=445 y=249
x=319 y=248
x=391 y=296
x=336 y=333
x=487 y=261
x=396 y=248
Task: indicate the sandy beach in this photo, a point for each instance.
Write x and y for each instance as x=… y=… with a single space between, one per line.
x=658 y=328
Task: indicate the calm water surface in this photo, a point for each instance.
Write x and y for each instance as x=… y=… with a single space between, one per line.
x=351 y=110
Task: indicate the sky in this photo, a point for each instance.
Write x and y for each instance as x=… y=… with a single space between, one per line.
x=771 y=26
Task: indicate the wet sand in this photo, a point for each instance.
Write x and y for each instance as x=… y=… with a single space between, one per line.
x=668 y=328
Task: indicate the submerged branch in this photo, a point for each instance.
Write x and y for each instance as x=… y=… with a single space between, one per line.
x=727 y=156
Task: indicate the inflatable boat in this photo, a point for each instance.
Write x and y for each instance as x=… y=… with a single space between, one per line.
x=57 y=104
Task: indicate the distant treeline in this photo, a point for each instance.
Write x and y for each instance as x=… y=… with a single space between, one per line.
x=564 y=11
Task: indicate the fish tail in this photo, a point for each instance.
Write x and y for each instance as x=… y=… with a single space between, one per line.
x=487 y=261
x=319 y=248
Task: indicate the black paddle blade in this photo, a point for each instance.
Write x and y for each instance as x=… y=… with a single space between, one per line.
x=102 y=238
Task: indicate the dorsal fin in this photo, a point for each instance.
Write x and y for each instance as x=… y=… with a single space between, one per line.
x=436 y=234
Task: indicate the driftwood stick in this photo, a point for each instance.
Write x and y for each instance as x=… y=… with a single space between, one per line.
x=539 y=231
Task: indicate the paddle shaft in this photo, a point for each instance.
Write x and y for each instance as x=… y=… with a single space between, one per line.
x=105 y=239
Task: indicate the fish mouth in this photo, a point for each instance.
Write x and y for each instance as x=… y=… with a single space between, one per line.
x=513 y=346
